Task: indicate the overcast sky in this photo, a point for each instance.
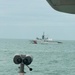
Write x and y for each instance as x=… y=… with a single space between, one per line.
x=28 y=19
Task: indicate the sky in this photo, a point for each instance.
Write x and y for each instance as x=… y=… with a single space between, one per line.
x=28 y=19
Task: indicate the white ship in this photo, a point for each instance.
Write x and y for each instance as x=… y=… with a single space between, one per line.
x=44 y=40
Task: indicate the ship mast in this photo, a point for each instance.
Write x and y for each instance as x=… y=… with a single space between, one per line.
x=43 y=36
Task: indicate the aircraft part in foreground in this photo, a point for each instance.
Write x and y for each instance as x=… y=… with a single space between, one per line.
x=67 y=6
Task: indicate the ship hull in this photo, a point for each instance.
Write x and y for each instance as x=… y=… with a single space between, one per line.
x=44 y=42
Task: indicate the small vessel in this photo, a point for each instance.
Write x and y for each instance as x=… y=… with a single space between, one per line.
x=44 y=40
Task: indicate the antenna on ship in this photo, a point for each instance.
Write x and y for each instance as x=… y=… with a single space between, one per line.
x=43 y=36
x=23 y=60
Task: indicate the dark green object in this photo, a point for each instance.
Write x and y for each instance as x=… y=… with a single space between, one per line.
x=67 y=6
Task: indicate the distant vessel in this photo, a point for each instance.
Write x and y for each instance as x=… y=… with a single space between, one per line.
x=44 y=40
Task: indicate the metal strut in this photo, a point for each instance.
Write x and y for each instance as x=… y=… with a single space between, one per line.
x=21 y=68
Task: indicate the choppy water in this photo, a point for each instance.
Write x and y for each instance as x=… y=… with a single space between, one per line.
x=50 y=59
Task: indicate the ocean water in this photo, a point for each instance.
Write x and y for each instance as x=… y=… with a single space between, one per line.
x=48 y=59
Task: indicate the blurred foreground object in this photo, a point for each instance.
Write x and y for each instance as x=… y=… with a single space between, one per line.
x=67 y=6
x=23 y=60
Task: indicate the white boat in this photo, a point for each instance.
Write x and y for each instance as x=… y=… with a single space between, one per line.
x=44 y=40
